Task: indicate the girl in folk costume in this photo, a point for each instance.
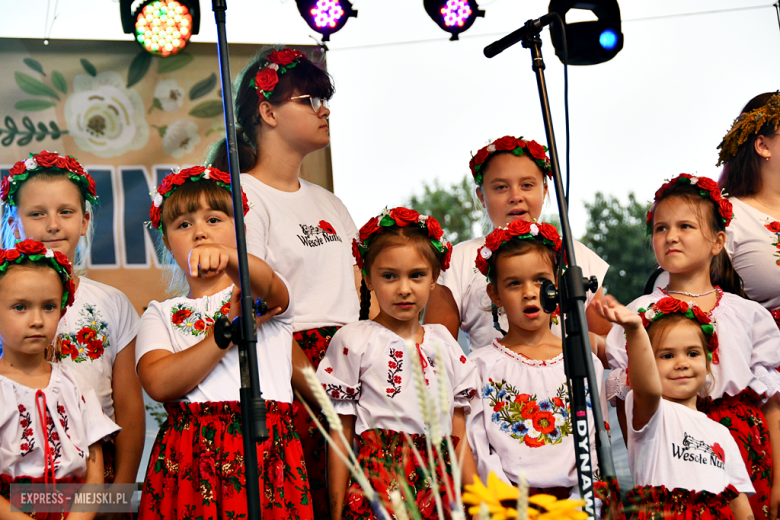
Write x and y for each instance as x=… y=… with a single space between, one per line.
x=196 y=467
x=51 y=421
x=684 y=465
x=687 y=223
x=750 y=153
x=521 y=419
x=511 y=177
x=302 y=230
x=368 y=371
x=49 y=197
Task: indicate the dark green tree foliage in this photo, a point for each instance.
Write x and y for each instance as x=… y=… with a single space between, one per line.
x=455 y=207
x=617 y=234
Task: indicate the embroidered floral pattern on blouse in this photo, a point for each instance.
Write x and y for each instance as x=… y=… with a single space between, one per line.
x=394 y=367
x=55 y=443
x=774 y=227
x=64 y=423
x=534 y=422
x=344 y=393
x=191 y=321
x=90 y=341
x=28 y=439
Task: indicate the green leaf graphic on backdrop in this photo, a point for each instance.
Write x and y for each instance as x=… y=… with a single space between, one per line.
x=172 y=63
x=29 y=131
x=34 y=65
x=91 y=70
x=207 y=109
x=59 y=82
x=201 y=88
x=138 y=68
x=33 y=105
x=33 y=86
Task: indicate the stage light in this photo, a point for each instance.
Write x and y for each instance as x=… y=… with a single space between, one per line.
x=326 y=16
x=161 y=27
x=608 y=39
x=589 y=42
x=454 y=16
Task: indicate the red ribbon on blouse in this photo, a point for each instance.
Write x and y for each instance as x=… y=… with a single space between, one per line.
x=49 y=468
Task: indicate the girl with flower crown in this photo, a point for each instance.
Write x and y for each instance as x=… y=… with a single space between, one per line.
x=51 y=421
x=521 y=421
x=684 y=465
x=750 y=153
x=49 y=197
x=511 y=177
x=303 y=231
x=687 y=224
x=197 y=462
x=369 y=371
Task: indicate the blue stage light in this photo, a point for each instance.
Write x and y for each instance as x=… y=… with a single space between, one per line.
x=608 y=39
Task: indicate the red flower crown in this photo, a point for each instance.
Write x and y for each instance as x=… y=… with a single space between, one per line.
x=401 y=217
x=517 y=146
x=516 y=230
x=175 y=179
x=47 y=161
x=274 y=65
x=38 y=254
x=707 y=188
x=668 y=305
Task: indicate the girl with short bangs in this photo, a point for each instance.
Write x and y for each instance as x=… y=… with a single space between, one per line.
x=50 y=197
x=687 y=224
x=197 y=461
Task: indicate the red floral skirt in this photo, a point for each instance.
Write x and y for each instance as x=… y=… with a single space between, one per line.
x=5 y=492
x=314 y=343
x=776 y=316
x=742 y=415
x=388 y=460
x=196 y=469
x=658 y=503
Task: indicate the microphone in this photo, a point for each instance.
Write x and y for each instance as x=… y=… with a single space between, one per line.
x=530 y=28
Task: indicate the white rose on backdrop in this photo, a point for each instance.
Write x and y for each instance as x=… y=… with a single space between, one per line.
x=104 y=117
x=180 y=138
x=170 y=95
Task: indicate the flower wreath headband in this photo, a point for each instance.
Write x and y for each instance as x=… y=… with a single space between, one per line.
x=668 y=305
x=707 y=188
x=401 y=217
x=517 y=146
x=516 y=230
x=38 y=254
x=43 y=162
x=177 y=178
x=748 y=124
x=274 y=65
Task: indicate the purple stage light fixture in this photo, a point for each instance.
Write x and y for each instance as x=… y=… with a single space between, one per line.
x=161 y=27
x=454 y=16
x=326 y=16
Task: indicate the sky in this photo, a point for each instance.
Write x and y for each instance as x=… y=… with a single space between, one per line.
x=411 y=106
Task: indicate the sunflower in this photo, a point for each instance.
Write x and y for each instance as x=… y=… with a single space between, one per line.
x=501 y=500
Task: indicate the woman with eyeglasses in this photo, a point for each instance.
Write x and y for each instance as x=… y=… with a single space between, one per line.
x=750 y=152
x=301 y=230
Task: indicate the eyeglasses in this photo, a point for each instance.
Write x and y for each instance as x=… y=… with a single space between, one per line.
x=316 y=103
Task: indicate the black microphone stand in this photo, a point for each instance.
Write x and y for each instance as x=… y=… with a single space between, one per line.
x=571 y=297
x=244 y=332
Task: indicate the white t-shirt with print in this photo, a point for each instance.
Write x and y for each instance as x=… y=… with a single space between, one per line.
x=98 y=326
x=285 y=230
x=469 y=289
x=748 y=348
x=682 y=448
x=367 y=373
x=179 y=323
x=755 y=253
x=74 y=420
x=521 y=418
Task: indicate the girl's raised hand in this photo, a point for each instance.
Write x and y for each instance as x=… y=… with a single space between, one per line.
x=208 y=260
x=611 y=310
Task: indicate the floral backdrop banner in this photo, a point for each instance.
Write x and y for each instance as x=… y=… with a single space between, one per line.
x=129 y=118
